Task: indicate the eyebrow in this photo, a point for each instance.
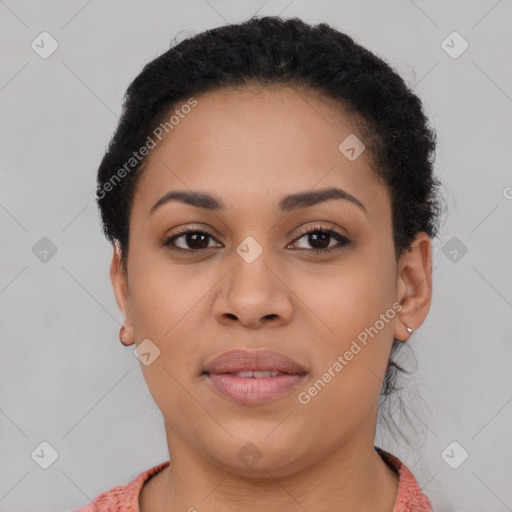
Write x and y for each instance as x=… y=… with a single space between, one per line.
x=286 y=204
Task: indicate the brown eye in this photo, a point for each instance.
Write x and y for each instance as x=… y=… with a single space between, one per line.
x=194 y=241
x=320 y=239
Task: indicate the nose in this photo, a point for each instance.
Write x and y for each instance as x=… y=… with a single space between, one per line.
x=253 y=295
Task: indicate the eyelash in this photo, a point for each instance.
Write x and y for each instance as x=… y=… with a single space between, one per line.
x=169 y=242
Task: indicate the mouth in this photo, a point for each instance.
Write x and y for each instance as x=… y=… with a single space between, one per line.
x=254 y=361
x=253 y=377
x=255 y=374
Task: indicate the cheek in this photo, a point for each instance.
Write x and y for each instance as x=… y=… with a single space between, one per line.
x=353 y=312
x=170 y=306
x=347 y=299
x=162 y=294
x=164 y=309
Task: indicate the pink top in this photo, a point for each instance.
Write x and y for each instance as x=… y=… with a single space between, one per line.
x=125 y=498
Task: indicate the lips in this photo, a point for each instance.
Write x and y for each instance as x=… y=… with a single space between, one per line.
x=253 y=377
x=255 y=363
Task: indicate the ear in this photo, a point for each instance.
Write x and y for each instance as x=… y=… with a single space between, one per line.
x=119 y=278
x=414 y=286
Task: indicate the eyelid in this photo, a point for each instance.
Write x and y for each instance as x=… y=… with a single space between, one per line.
x=316 y=225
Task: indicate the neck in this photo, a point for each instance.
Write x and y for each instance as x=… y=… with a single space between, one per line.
x=353 y=478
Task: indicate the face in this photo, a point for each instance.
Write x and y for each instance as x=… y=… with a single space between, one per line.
x=314 y=280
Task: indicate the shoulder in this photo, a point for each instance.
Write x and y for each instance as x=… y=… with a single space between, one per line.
x=122 y=497
x=410 y=498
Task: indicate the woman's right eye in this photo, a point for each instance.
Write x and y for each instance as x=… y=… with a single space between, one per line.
x=190 y=237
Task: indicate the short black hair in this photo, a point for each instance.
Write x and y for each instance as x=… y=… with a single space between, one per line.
x=274 y=51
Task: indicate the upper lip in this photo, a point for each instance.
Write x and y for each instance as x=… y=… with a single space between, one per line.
x=239 y=360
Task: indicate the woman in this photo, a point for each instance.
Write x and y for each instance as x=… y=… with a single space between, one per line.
x=270 y=197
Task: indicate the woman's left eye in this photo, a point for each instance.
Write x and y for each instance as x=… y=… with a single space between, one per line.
x=318 y=236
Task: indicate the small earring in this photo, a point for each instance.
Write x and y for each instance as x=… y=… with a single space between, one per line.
x=121 y=337
x=407 y=328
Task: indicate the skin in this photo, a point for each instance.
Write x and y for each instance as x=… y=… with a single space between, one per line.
x=250 y=147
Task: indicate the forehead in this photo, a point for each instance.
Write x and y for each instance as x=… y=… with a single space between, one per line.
x=244 y=143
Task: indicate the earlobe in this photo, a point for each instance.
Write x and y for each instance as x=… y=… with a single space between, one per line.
x=414 y=286
x=122 y=337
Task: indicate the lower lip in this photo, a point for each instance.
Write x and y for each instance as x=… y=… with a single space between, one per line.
x=253 y=391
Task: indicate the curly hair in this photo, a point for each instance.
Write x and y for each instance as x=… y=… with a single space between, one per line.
x=272 y=51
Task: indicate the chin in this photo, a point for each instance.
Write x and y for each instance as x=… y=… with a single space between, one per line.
x=260 y=452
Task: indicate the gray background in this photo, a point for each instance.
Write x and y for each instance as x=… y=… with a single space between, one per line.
x=64 y=376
